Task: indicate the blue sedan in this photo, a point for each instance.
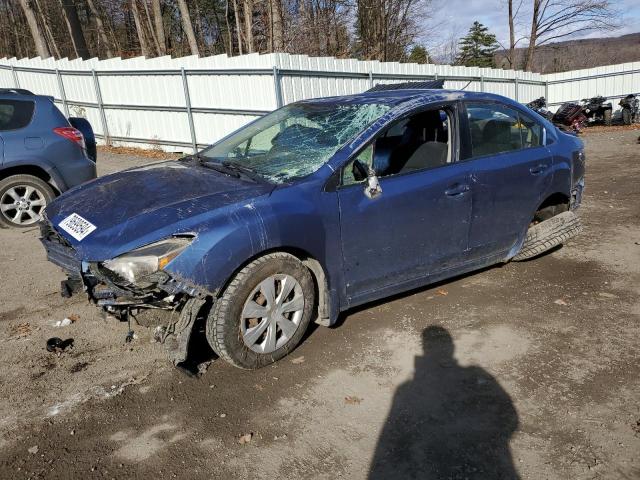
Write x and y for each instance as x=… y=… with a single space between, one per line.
x=318 y=207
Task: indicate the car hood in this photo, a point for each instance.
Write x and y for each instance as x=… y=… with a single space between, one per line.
x=142 y=205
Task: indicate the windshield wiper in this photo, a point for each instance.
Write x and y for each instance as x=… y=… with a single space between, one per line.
x=245 y=171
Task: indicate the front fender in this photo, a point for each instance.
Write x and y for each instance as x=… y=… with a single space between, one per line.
x=292 y=218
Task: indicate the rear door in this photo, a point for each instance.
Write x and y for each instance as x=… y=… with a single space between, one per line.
x=510 y=171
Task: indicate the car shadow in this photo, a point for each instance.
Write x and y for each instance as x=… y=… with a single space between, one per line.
x=447 y=422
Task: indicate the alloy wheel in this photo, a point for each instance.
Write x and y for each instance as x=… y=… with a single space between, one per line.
x=22 y=204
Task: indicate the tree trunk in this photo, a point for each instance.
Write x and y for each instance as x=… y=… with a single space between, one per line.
x=150 y=26
x=248 y=24
x=36 y=33
x=276 y=25
x=75 y=29
x=102 y=34
x=512 y=38
x=187 y=27
x=229 y=35
x=48 y=34
x=238 y=29
x=533 y=37
x=144 y=47
x=157 y=18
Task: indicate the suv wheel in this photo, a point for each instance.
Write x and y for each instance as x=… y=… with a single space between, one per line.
x=263 y=313
x=22 y=200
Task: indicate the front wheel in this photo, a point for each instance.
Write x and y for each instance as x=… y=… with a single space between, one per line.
x=263 y=313
x=22 y=200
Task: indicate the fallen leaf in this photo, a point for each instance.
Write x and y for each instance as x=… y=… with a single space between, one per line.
x=73 y=317
x=607 y=295
x=298 y=360
x=21 y=330
x=352 y=400
x=246 y=438
x=560 y=302
x=442 y=291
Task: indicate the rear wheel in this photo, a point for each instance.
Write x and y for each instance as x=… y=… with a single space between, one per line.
x=549 y=233
x=22 y=200
x=626 y=116
x=263 y=313
x=607 y=117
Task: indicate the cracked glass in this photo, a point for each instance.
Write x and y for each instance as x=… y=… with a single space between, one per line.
x=296 y=140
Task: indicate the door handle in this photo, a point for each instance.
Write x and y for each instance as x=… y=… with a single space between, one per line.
x=538 y=169
x=456 y=190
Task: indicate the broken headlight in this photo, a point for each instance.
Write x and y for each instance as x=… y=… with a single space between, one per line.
x=146 y=260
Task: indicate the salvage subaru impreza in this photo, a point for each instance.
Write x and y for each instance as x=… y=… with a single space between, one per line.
x=315 y=208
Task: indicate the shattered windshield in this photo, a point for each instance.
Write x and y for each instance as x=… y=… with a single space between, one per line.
x=296 y=140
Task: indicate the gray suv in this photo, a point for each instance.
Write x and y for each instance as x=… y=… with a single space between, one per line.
x=42 y=154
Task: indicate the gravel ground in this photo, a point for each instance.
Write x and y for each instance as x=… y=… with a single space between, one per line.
x=522 y=370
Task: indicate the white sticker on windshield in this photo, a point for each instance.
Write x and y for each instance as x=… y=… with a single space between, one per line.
x=76 y=226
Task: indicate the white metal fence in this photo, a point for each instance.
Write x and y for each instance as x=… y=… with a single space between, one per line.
x=183 y=103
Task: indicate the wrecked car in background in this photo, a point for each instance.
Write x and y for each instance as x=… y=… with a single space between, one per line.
x=315 y=208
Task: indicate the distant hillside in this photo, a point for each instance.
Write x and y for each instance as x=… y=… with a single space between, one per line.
x=576 y=54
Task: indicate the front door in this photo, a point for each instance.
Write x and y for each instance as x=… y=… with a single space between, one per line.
x=419 y=224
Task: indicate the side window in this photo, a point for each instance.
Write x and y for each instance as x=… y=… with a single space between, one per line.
x=494 y=129
x=15 y=114
x=531 y=132
x=420 y=142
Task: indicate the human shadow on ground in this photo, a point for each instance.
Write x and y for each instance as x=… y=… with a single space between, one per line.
x=447 y=422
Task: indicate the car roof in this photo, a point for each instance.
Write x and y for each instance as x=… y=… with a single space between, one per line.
x=20 y=94
x=406 y=95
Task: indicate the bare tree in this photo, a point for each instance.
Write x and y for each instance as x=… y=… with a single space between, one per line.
x=102 y=34
x=248 y=24
x=159 y=26
x=70 y=12
x=144 y=46
x=554 y=19
x=38 y=37
x=187 y=27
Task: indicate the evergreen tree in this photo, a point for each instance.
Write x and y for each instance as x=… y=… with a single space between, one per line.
x=477 y=47
x=418 y=54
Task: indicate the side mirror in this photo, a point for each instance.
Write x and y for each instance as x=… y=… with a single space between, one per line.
x=361 y=171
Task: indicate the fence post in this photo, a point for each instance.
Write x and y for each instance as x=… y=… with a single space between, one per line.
x=63 y=95
x=103 y=117
x=15 y=76
x=370 y=79
x=516 y=85
x=277 y=86
x=187 y=101
x=482 y=83
x=546 y=90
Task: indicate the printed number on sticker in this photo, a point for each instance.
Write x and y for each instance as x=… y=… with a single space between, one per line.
x=76 y=226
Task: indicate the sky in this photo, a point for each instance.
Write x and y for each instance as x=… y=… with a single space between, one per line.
x=456 y=16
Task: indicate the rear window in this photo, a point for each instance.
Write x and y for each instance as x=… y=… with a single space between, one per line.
x=15 y=114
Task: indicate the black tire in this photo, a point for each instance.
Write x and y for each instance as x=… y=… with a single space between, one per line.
x=223 y=324
x=607 y=118
x=548 y=234
x=18 y=182
x=626 y=116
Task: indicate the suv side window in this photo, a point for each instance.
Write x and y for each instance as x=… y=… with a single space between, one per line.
x=15 y=114
x=497 y=128
x=420 y=142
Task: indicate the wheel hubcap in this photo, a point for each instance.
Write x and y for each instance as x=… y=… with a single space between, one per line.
x=272 y=313
x=22 y=204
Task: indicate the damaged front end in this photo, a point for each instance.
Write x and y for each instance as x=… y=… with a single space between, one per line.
x=134 y=286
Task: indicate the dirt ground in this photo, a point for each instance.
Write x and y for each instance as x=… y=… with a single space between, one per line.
x=524 y=370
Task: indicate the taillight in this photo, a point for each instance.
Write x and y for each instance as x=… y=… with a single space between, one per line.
x=72 y=134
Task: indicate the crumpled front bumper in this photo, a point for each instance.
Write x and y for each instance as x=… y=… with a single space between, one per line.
x=160 y=291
